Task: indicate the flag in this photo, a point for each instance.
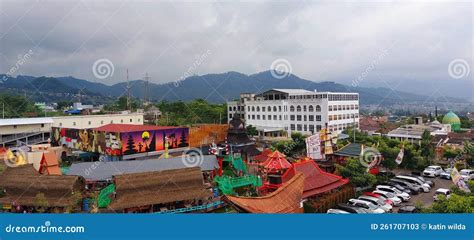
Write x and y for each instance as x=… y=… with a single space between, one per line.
x=459 y=181
x=313 y=147
x=399 y=158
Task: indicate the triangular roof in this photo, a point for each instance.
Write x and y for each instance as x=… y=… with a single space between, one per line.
x=316 y=181
x=285 y=199
x=276 y=161
x=263 y=156
x=49 y=164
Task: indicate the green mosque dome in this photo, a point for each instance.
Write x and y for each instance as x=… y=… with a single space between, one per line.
x=452 y=119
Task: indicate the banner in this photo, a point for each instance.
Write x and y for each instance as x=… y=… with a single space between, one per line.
x=459 y=181
x=313 y=147
x=399 y=158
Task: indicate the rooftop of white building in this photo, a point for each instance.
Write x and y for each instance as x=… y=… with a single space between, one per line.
x=25 y=121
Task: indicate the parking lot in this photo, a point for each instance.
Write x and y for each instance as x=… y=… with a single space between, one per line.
x=425 y=198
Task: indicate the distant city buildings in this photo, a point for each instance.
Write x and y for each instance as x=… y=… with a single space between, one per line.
x=278 y=112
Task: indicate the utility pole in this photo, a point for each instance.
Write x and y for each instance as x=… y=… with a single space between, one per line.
x=147 y=81
x=128 y=94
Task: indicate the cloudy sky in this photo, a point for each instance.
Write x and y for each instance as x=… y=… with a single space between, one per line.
x=384 y=44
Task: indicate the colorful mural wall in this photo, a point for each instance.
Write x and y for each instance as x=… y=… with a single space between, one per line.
x=150 y=141
x=117 y=144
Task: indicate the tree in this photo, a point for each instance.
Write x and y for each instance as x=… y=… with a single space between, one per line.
x=251 y=130
x=454 y=204
x=182 y=140
x=357 y=173
x=130 y=145
x=41 y=203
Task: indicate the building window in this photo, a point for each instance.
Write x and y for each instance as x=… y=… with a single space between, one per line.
x=269 y=108
x=253 y=109
x=274 y=108
x=318 y=118
x=258 y=109
x=318 y=108
x=311 y=108
x=131 y=120
x=14 y=126
x=298 y=117
x=90 y=122
x=121 y=120
x=74 y=123
x=102 y=122
x=304 y=118
x=304 y=108
x=269 y=117
x=274 y=117
x=299 y=127
x=330 y=117
x=263 y=109
x=311 y=118
x=279 y=108
x=280 y=117
x=292 y=108
x=305 y=127
x=230 y=116
x=292 y=127
x=263 y=117
x=111 y=121
x=42 y=125
x=230 y=108
x=298 y=108
x=292 y=117
x=311 y=128
x=258 y=117
x=60 y=124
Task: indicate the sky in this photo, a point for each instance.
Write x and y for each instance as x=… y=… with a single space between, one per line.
x=410 y=46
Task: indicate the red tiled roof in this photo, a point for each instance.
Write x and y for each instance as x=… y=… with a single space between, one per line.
x=276 y=161
x=262 y=157
x=130 y=128
x=316 y=180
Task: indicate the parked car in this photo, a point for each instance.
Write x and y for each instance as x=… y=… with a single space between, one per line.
x=351 y=208
x=402 y=195
x=446 y=174
x=379 y=203
x=388 y=201
x=396 y=200
x=401 y=188
x=467 y=174
x=432 y=171
x=372 y=208
x=415 y=188
x=407 y=209
x=336 y=211
x=413 y=180
x=441 y=191
x=429 y=182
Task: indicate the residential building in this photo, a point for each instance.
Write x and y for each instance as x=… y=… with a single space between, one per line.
x=413 y=132
x=278 y=112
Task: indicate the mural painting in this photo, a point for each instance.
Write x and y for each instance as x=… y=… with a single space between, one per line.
x=150 y=141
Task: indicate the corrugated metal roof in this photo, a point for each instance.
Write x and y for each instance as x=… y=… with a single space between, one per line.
x=25 y=121
x=130 y=128
x=293 y=91
x=97 y=171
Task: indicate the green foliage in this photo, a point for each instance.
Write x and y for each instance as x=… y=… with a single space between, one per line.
x=294 y=147
x=41 y=203
x=17 y=106
x=450 y=152
x=121 y=104
x=251 y=130
x=454 y=204
x=357 y=173
x=196 y=111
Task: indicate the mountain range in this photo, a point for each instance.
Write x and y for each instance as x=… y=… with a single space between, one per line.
x=216 y=88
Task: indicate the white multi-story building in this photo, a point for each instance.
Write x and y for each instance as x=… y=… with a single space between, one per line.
x=277 y=111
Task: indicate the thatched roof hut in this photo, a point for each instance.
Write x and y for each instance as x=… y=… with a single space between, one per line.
x=285 y=199
x=22 y=184
x=151 y=188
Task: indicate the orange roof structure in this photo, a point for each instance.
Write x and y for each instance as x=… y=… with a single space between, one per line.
x=263 y=156
x=316 y=180
x=49 y=164
x=275 y=162
x=285 y=199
